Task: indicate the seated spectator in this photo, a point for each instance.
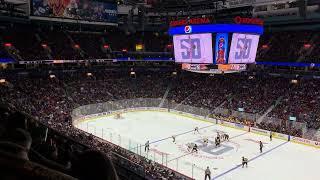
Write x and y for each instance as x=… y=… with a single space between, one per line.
x=18 y=143
x=94 y=165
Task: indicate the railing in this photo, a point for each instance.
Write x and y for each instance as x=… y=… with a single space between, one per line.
x=242 y=115
x=82 y=115
x=112 y=106
x=152 y=102
x=294 y=124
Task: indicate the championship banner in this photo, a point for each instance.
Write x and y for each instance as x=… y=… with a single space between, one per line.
x=221 y=48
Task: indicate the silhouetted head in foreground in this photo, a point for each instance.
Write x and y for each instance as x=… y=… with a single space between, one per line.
x=94 y=165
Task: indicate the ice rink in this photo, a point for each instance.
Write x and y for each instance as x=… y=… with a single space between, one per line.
x=280 y=160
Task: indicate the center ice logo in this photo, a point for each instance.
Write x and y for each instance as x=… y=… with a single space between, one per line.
x=212 y=149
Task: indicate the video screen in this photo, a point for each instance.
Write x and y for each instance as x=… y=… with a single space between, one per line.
x=221 y=51
x=76 y=9
x=243 y=48
x=193 y=48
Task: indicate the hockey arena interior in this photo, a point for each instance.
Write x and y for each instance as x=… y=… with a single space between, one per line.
x=159 y=89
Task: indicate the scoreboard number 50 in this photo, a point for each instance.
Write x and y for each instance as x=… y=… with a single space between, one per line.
x=191 y=48
x=243 y=47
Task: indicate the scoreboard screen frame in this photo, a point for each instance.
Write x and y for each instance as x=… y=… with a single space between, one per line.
x=219 y=47
x=243 y=49
x=188 y=46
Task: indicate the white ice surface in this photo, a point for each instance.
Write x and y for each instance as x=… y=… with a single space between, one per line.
x=281 y=160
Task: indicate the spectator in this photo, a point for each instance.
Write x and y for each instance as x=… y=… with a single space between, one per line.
x=18 y=143
x=94 y=165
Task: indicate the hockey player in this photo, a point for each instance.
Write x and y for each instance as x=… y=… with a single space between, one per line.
x=196 y=129
x=261 y=146
x=226 y=137
x=244 y=162
x=174 y=139
x=195 y=148
x=205 y=141
x=190 y=147
x=217 y=141
x=146 y=147
x=270 y=136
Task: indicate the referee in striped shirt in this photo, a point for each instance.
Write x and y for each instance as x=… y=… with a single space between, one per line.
x=207 y=174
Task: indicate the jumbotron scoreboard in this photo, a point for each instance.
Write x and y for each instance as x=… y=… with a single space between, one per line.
x=216 y=44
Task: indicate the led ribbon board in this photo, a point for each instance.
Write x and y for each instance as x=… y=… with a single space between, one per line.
x=216 y=28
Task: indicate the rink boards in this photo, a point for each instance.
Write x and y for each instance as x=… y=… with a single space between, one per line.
x=201 y=118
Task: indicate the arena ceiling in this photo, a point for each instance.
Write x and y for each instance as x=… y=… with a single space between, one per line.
x=188 y=2
x=177 y=3
x=17 y=2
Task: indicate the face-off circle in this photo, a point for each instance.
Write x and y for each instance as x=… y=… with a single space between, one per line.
x=210 y=151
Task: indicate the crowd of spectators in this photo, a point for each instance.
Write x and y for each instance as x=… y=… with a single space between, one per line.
x=63 y=44
x=51 y=100
x=256 y=94
x=209 y=89
x=29 y=150
x=281 y=128
x=301 y=46
x=24 y=40
x=55 y=43
x=239 y=120
x=301 y=100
